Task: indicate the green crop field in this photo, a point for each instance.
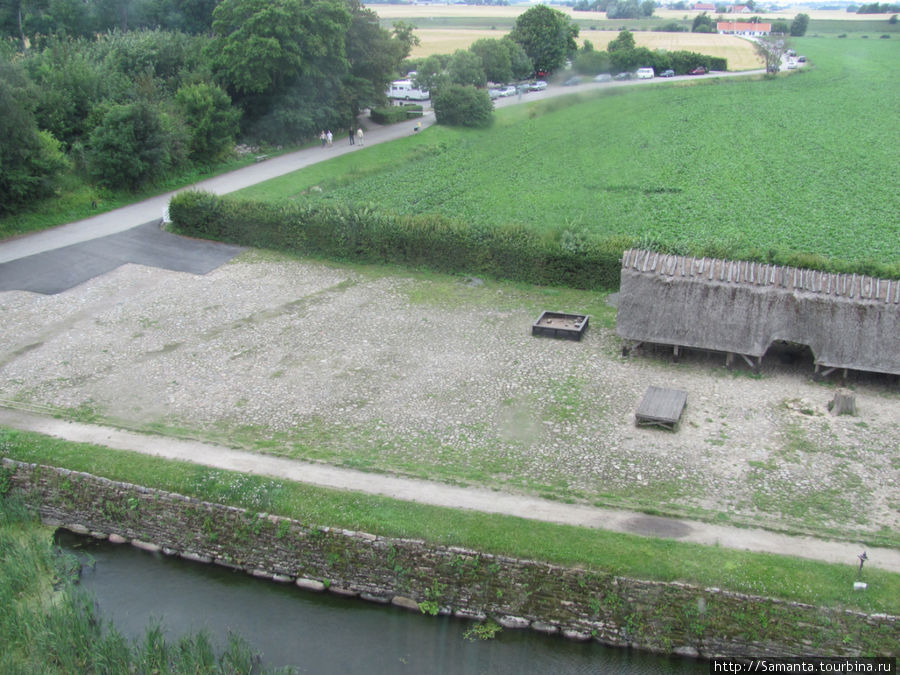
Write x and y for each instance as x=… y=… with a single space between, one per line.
x=806 y=163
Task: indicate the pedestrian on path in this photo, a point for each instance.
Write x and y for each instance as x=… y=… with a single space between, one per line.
x=352 y=135
x=329 y=136
x=359 y=136
x=322 y=137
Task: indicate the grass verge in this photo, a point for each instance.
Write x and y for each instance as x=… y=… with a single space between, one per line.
x=627 y=555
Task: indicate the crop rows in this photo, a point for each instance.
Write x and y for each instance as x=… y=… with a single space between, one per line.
x=803 y=163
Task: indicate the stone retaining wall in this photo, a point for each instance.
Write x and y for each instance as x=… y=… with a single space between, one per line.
x=579 y=604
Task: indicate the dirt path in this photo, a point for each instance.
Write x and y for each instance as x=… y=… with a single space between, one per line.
x=437 y=494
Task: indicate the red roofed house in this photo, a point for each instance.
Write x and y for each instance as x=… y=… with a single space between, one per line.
x=745 y=29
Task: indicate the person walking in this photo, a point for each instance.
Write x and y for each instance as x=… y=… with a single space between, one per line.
x=322 y=137
x=329 y=137
x=359 y=136
x=352 y=135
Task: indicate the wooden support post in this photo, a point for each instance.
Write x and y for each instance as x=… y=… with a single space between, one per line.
x=675 y=354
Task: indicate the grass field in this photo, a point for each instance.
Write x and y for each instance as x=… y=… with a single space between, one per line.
x=805 y=162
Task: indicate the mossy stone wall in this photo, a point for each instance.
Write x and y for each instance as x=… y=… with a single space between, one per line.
x=578 y=603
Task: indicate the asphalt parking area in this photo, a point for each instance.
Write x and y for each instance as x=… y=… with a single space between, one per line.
x=58 y=270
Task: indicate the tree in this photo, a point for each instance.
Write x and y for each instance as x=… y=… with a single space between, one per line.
x=211 y=120
x=465 y=68
x=262 y=45
x=374 y=55
x=647 y=7
x=624 y=41
x=521 y=64
x=771 y=49
x=495 y=59
x=129 y=147
x=547 y=36
x=702 y=24
x=431 y=74
x=780 y=28
x=456 y=105
x=30 y=160
x=799 y=25
x=591 y=63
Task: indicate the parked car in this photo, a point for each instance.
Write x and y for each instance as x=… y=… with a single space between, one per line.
x=624 y=76
x=667 y=73
x=699 y=70
x=540 y=85
x=494 y=93
x=603 y=77
x=508 y=90
x=572 y=81
x=791 y=64
x=645 y=73
x=801 y=59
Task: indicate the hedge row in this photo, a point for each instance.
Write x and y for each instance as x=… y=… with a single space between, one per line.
x=362 y=234
x=577 y=259
x=396 y=113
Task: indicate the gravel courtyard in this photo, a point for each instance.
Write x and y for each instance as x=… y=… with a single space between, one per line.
x=439 y=377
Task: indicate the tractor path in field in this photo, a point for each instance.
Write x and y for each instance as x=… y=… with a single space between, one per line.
x=438 y=494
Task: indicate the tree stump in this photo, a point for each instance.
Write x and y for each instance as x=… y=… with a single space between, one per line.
x=843 y=403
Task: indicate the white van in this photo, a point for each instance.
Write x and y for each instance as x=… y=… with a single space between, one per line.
x=406 y=90
x=645 y=73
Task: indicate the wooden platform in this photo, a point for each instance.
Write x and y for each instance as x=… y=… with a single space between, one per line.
x=661 y=407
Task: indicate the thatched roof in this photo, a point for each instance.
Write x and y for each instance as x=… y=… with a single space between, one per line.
x=848 y=321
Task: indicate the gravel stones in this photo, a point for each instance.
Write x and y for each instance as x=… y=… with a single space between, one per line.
x=441 y=379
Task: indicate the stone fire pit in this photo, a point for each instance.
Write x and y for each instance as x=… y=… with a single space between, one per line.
x=561 y=325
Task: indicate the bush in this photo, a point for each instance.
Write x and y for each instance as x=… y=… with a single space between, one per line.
x=591 y=63
x=456 y=105
x=395 y=113
x=130 y=147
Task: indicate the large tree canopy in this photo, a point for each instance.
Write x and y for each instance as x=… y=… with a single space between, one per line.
x=29 y=158
x=547 y=36
x=262 y=44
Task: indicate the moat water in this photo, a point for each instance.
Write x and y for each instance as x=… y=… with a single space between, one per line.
x=321 y=632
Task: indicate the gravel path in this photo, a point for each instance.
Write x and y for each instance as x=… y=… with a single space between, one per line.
x=439 y=378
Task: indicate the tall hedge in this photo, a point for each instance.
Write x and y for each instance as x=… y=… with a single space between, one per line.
x=364 y=234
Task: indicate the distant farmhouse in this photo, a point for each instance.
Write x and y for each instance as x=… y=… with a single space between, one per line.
x=741 y=308
x=744 y=29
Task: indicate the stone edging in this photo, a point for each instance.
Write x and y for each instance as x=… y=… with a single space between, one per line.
x=674 y=618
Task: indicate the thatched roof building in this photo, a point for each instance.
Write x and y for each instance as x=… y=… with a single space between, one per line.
x=738 y=307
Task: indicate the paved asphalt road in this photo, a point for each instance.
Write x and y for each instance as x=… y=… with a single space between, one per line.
x=60 y=269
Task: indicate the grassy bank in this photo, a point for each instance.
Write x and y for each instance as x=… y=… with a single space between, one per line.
x=50 y=624
x=627 y=555
x=77 y=199
x=804 y=163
